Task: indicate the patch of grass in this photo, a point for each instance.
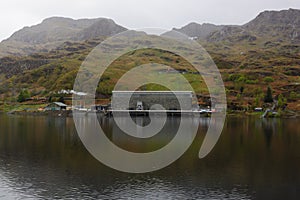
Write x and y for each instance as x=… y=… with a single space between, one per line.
x=20 y=107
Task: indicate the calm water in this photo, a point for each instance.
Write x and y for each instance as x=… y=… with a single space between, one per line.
x=43 y=158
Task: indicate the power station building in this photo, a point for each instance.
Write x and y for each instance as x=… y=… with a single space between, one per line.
x=146 y=100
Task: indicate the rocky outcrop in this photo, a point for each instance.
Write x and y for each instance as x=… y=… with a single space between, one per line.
x=199 y=31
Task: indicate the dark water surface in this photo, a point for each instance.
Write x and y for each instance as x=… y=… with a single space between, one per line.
x=43 y=158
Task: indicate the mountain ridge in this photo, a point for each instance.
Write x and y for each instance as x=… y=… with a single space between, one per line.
x=199 y=31
x=54 y=31
x=273 y=25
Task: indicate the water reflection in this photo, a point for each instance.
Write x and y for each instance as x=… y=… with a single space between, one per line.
x=43 y=158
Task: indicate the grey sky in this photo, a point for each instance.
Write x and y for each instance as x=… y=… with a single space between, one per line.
x=15 y=14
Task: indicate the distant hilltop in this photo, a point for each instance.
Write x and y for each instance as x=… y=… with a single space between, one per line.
x=54 y=31
x=280 y=25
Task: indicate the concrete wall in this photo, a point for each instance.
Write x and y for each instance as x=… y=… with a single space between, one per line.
x=166 y=99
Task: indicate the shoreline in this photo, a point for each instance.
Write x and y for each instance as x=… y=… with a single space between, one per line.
x=34 y=110
x=287 y=114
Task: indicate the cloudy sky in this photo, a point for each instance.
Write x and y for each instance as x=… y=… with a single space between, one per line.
x=15 y=14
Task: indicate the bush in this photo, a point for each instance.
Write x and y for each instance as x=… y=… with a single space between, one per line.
x=268 y=79
x=281 y=101
x=234 y=77
x=241 y=79
x=294 y=95
x=251 y=81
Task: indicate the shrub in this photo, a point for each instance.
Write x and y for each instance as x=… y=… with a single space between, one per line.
x=281 y=101
x=268 y=79
x=241 y=79
x=294 y=95
x=234 y=77
x=251 y=81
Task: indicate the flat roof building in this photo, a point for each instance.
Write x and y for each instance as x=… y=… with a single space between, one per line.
x=56 y=106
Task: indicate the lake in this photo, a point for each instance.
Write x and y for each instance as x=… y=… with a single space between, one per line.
x=43 y=158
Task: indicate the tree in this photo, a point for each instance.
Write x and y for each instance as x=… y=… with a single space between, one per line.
x=239 y=97
x=61 y=99
x=23 y=95
x=281 y=101
x=257 y=101
x=50 y=99
x=268 y=96
x=242 y=89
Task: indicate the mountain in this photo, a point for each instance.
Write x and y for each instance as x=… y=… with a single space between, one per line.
x=101 y=28
x=276 y=26
x=53 y=32
x=279 y=26
x=200 y=31
x=231 y=34
x=282 y=24
x=271 y=26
